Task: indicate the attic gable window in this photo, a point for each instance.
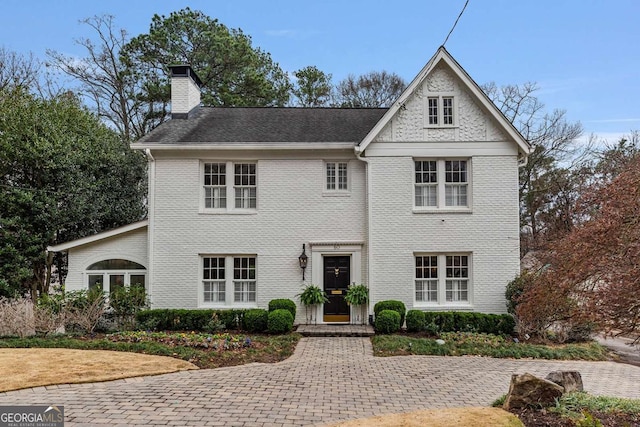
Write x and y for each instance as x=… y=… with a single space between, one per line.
x=440 y=111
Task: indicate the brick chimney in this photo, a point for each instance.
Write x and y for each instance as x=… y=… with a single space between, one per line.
x=185 y=91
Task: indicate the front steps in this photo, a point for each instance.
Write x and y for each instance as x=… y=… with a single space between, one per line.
x=336 y=330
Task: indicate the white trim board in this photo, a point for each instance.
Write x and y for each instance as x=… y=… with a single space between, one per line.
x=97 y=237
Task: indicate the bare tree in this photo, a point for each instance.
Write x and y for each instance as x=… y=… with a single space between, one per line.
x=18 y=70
x=374 y=89
x=550 y=181
x=111 y=89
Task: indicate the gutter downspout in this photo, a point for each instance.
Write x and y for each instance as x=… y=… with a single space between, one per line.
x=150 y=216
x=358 y=154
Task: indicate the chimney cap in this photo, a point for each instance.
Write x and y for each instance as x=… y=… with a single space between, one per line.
x=185 y=70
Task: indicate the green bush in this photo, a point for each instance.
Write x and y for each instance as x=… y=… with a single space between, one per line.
x=255 y=320
x=416 y=321
x=436 y=322
x=387 y=322
x=391 y=305
x=126 y=302
x=189 y=320
x=285 y=304
x=279 y=321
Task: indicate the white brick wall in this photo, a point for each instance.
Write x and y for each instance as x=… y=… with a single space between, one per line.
x=489 y=233
x=185 y=95
x=292 y=210
x=131 y=246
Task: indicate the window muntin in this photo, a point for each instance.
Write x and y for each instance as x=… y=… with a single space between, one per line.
x=447 y=110
x=440 y=111
x=215 y=181
x=337 y=176
x=244 y=279
x=457 y=282
x=112 y=274
x=426 y=181
x=228 y=280
x=441 y=183
x=228 y=187
x=245 y=185
x=427 y=278
x=213 y=279
x=433 y=110
x=431 y=287
x=455 y=183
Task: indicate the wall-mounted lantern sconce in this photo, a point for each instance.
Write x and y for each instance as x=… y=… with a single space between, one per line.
x=302 y=259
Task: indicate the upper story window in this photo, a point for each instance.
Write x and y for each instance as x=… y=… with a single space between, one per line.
x=441 y=183
x=223 y=178
x=244 y=180
x=440 y=111
x=336 y=176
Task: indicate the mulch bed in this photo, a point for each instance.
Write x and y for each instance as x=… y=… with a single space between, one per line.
x=544 y=418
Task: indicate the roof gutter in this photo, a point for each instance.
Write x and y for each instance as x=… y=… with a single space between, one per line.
x=247 y=146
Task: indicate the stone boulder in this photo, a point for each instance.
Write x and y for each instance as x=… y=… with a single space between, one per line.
x=528 y=390
x=569 y=380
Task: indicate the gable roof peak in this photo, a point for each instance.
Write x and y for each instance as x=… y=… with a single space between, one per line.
x=443 y=55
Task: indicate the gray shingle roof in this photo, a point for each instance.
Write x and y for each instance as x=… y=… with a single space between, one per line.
x=209 y=125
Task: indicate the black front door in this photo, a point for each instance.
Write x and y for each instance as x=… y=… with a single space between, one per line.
x=336 y=282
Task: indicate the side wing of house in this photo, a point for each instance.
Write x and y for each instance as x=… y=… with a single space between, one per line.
x=111 y=259
x=443 y=171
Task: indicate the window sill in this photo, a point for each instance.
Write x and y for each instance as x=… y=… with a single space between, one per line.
x=441 y=307
x=336 y=193
x=230 y=306
x=442 y=211
x=441 y=126
x=228 y=212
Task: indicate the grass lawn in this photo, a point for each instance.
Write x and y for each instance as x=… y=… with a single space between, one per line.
x=47 y=366
x=203 y=350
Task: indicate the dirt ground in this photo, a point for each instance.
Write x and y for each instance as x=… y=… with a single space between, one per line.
x=34 y=367
x=461 y=417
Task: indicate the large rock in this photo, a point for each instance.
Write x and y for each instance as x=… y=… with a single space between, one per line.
x=569 y=380
x=528 y=390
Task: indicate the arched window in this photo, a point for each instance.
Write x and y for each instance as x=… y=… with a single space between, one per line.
x=111 y=274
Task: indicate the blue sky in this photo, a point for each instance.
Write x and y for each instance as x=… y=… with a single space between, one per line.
x=584 y=54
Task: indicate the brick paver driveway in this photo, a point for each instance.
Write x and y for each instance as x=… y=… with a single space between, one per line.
x=327 y=379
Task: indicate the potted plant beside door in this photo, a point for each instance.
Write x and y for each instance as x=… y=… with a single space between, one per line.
x=358 y=296
x=312 y=296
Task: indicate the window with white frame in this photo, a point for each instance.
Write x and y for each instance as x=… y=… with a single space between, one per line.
x=441 y=183
x=112 y=274
x=221 y=179
x=213 y=279
x=244 y=181
x=228 y=280
x=433 y=286
x=215 y=185
x=336 y=176
x=440 y=111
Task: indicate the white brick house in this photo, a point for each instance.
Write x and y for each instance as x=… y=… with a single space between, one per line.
x=418 y=201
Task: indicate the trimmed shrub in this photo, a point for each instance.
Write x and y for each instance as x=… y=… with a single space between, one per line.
x=391 y=305
x=255 y=320
x=436 y=322
x=416 y=321
x=189 y=320
x=285 y=304
x=387 y=322
x=279 y=321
